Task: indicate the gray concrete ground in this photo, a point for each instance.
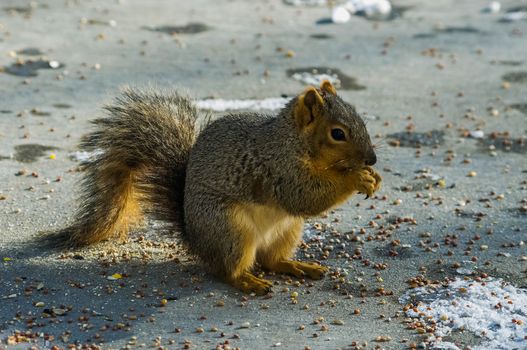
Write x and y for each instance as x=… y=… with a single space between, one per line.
x=438 y=71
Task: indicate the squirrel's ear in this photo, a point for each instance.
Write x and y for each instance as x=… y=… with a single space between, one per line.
x=328 y=87
x=308 y=105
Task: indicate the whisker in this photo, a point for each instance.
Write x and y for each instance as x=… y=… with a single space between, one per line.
x=381 y=143
x=380 y=140
x=335 y=163
x=341 y=161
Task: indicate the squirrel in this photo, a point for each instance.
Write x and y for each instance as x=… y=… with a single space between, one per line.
x=238 y=189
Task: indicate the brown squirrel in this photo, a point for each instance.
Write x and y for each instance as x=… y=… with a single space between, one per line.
x=238 y=189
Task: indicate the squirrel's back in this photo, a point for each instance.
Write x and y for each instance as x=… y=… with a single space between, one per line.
x=246 y=137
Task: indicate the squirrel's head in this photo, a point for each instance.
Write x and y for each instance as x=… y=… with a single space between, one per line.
x=333 y=130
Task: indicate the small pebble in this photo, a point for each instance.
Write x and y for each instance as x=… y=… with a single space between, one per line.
x=477 y=134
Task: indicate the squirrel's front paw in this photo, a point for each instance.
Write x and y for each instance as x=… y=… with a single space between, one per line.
x=376 y=176
x=367 y=181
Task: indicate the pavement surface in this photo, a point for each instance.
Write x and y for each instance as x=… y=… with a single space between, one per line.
x=453 y=200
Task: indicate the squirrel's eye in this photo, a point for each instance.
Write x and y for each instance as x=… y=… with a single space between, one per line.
x=338 y=134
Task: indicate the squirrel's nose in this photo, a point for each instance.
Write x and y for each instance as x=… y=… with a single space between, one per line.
x=371 y=159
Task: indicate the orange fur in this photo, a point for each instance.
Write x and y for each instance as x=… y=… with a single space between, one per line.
x=328 y=87
x=307 y=107
x=120 y=209
x=283 y=247
x=266 y=234
x=129 y=212
x=277 y=256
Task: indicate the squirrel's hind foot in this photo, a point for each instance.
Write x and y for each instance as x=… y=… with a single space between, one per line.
x=300 y=269
x=249 y=283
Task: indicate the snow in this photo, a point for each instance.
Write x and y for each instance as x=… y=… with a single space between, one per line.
x=340 y=15
x=374 y=9
x=221 y=105
x=370 y=8
x=306 y=2
x=84 y=156
x=477 y=134
x=315 y=79
x=514 y=16
x=485 y=308
x=492 y=7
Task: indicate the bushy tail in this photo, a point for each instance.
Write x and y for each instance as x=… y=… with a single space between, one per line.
x=141 y=152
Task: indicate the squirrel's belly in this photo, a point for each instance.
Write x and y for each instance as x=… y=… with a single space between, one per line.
x=263 y=224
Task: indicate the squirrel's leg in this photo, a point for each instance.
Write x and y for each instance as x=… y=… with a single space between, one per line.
x=237 y=266
x=277 y=255
x=238 y=270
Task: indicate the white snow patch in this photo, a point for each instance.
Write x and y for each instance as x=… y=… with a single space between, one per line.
x=514 y=16
x=314 y=78
x=492 y=7
x=84 y=156
x=221 y=105
x=306 y=2
x=485 y=308
x=340 y=14
x=477 y=134
x=375 y=9
x=54 y=64
x=372 y=8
